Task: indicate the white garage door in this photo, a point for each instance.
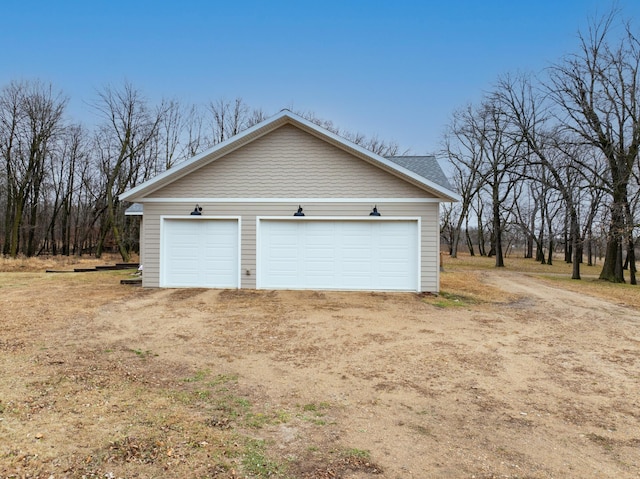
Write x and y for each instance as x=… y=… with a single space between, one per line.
x=200 y=252
x=338 y=254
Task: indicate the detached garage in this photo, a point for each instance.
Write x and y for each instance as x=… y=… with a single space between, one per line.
x=289 y=205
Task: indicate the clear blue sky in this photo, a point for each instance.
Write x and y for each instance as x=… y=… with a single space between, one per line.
x=393 y=68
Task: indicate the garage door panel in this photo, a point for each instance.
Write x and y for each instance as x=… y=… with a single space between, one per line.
x=338 y=254
x=353 y=253
x=316 y=266
x=200 y=253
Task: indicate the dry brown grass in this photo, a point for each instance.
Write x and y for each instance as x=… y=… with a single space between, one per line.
x=468 y=287
x=466 y=262
x=623 y=294
x=463 y=276
x=60 y=262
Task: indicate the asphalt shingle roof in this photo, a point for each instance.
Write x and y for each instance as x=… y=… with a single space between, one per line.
x=425 y=166
x=134 y=210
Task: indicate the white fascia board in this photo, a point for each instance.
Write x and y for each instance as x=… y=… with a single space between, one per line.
x=337 y=218
x=200 y=217
x=292 y=200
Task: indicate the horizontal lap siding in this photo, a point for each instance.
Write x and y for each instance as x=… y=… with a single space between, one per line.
x=289 y=163
x=248 y=212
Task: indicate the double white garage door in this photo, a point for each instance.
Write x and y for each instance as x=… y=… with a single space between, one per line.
x=293 y=253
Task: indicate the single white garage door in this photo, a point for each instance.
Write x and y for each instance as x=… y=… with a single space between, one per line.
x=199 y=252
x=338 y=254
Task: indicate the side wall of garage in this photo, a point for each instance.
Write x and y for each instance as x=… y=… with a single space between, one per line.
x=428 y=210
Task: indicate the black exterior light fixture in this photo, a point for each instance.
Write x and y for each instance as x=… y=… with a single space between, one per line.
x=374 y=212
x=197 y=211
x=299 y=212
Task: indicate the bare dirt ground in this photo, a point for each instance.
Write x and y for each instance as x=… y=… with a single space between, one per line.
x=528 y=380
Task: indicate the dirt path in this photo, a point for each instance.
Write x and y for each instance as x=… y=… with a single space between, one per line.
x=546 y=385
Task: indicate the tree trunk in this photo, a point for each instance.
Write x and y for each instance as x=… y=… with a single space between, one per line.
x=631 y=260
x=14 y=241
x=454 y=243
x=497 y=235
x=612 y=268
x=529 y=250
x=631 y=254
x=576 y=244
x=469 y=242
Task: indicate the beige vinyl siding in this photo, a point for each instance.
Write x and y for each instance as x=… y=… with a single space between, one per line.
x=289 y=163
x=249 y=211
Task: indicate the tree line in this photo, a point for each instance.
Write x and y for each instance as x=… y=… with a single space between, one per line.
x=552 y=159
x=62 y=179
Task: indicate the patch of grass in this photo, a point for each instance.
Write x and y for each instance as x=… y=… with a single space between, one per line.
x=316 y=411
x=183 y=397
x=256 y=420
x=233 y=406
x=223 y=379
x=356 y=454
x=452 y=300
x=313 y=407
x=256 y=463
x=317 y=420
x=143 y=354
x=282 y=416
x=203 y=394
x=259 y=420
x=198 y=376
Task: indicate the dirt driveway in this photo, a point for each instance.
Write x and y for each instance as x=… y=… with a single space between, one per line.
x=102 y=380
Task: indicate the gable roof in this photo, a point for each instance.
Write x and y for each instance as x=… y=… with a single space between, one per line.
x=427 y=177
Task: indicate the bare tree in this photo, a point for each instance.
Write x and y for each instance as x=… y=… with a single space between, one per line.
x=498 y=168
x=62 y=186
x=31 y=117
x=129 y=128
x=228 y=118
x=597 y=92
x=462 y=147
x=560 y=154
x=373 y=144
